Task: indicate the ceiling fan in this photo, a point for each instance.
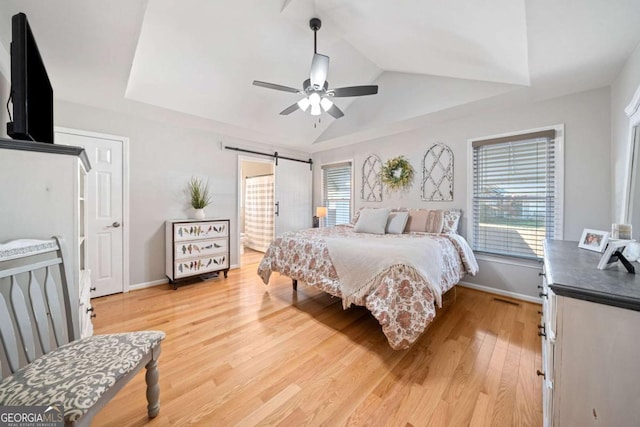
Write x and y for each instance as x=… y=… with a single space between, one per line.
x=316 y=88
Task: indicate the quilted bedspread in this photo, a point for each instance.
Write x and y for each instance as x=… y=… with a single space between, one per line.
x=399 y=297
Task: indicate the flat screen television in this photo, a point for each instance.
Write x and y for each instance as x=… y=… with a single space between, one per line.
x=31 y=92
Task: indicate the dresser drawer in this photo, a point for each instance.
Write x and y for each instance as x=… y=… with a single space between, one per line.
x=200 y=230
x=200 y=265
x=200 y=248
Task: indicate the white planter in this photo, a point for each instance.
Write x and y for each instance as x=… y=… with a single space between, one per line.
x=198 y=213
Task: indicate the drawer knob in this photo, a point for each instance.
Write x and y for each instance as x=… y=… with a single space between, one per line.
x=93 y=288
x=541 y=374
x=89 y=309
x=93 y=315
x=541 y=273
x=542 y=294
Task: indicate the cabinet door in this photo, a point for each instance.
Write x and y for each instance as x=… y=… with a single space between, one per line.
x=597 y=366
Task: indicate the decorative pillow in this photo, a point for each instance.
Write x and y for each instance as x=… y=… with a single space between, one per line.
x=396 y=222
x=451 y=220
x=372 y=221
x=356 y=215
x=425 y=221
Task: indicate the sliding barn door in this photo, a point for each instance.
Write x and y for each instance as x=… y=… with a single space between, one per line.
x=293 y=196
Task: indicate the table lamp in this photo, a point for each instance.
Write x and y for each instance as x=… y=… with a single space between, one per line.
x=321 y=212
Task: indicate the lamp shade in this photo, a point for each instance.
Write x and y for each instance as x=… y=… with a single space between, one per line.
x=321 y=211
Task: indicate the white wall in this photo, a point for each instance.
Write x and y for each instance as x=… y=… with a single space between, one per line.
x=587 y=201
x=622 y=91
x=163 y=157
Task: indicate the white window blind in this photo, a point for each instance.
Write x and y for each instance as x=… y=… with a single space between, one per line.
x=336 y=189
x=516 y=194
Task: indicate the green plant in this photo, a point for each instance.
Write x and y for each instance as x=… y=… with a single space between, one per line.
x=397 y=174
x=199 y=191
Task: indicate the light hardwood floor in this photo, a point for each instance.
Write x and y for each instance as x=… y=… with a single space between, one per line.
x=251 y=257
x=241 y=353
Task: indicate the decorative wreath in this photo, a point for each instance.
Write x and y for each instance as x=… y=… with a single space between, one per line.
x=397 y=174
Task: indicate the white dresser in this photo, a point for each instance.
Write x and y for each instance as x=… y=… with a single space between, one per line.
x=590 y=333
x=196 y=248
x=42 y=194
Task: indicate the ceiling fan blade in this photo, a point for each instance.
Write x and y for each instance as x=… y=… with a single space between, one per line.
x=319 y=70
x=290 y=109
x=355 y=91
x=335 y=112
x=275 y=86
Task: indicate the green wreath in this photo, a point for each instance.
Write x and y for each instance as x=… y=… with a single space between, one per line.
x=397 y=174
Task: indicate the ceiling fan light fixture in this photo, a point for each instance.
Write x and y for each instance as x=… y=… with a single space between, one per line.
x=316 y=87
x=326 y=104
x=304 y=104
x=314 y=99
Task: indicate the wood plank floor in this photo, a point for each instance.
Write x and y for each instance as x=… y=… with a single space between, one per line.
x=241 y=353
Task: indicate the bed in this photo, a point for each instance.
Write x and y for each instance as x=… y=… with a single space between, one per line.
x=399 y=277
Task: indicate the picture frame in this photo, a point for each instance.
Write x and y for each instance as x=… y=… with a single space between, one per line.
x=613 y=253
x=593 y=240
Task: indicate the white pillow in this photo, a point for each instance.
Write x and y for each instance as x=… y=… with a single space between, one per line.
x=397 y=222
x=372 y=221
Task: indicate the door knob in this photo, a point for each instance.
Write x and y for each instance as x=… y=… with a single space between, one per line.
x=116 y=224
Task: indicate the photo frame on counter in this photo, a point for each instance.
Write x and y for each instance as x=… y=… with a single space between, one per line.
x=613 y=254
x=593 y=240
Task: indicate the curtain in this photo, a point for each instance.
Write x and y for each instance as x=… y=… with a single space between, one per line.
x=259 y=212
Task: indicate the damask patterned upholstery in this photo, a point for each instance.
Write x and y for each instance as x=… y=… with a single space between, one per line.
x=451 y=220
x=77 y=374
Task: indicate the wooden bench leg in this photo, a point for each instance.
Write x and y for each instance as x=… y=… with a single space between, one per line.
x=294 y=282
x=153 y=389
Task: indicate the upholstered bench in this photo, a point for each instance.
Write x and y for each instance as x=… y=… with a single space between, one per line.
x=81 y=375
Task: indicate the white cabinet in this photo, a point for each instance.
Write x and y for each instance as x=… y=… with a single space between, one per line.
x=42 y=194
x=196 y=248
x=590 y=346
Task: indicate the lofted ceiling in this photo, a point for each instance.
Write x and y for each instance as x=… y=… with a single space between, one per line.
x=198 y=58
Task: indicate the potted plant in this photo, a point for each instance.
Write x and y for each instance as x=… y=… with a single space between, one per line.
x=200 y=197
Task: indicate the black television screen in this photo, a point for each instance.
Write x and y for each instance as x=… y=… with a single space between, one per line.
x=31 y=92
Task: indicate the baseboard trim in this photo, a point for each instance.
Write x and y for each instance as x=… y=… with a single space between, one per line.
x=148 y=284
x=514 y=295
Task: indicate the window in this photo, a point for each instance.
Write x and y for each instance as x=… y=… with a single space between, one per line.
x=517 y=193
x=336 y=193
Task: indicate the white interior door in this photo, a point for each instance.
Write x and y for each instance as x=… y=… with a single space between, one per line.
x=293 y=196
x=104 y=203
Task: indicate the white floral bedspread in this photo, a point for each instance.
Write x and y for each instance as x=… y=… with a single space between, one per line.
x=400 y=298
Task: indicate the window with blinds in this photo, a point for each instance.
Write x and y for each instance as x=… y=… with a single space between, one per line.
x=336 y=193
x=517 y=193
